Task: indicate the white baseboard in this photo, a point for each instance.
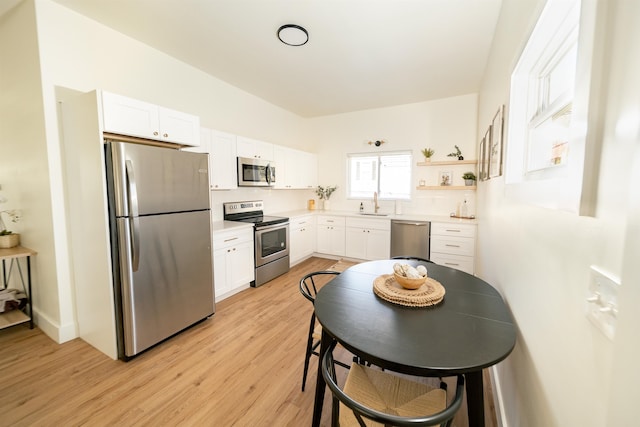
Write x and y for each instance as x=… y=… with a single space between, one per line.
x=501 y=417
x=58 y=333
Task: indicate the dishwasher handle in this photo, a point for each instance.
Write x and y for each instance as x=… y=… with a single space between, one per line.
x=420 y=223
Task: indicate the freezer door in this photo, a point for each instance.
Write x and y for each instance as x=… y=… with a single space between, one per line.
x=157 y=180
x=173 y=285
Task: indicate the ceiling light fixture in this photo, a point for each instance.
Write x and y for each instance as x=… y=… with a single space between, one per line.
x=293 y=35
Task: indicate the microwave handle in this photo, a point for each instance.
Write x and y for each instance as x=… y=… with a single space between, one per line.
x=268 y=173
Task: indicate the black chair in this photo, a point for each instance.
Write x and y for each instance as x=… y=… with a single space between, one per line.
x=412 y=258
x=405 y=402
x=309 y=289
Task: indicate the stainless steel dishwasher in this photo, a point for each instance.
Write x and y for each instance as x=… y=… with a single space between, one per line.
x=410 y=238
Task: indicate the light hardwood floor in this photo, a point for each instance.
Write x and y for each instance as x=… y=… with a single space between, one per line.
x=242 y=367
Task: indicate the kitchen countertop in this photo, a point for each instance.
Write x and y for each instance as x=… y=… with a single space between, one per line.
x=391 y=216
x=230 y=225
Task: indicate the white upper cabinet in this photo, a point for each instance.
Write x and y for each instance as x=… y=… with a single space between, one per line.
x=253 y=148
x=309 y=173
x=295 y=169
x=132 y=117
x=222 y=161
x=221 y=148
x=179 y=127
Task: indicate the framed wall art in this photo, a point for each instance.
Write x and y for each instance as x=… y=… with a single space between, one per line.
x=495 y=145
x=483 y=155
x=445 y=178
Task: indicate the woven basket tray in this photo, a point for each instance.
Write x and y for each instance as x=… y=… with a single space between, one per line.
x=431 y=293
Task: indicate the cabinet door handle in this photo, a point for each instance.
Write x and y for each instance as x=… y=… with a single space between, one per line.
x=455 y=231
x=453 y=246
x=451 y=263
x=233 y=238
x=155 y=133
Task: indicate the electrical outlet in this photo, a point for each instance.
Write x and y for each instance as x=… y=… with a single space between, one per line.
x=602 y=301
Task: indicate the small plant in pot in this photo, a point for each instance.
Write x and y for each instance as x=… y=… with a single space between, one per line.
x=457 y=154
x=469 y=178
x=9 y=239
x=427 y=153
x=324 y=193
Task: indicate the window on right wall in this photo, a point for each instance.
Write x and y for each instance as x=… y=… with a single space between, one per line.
x=549 y=147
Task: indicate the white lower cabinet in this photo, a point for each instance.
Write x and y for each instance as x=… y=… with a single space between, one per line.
x=453 y=245
x=302 y=238
x=331 y=235
x=233 y=266
x=368 y=238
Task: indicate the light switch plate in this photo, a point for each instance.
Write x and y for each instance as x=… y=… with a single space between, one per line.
x=602 y=301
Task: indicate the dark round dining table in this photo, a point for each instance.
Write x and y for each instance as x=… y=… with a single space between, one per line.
x=471 y=329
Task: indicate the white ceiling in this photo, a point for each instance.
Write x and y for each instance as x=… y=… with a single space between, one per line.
x=361 y=54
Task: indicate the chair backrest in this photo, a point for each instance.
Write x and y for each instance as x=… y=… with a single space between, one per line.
x=442 y=417
x=308 y=287
x=412 y=258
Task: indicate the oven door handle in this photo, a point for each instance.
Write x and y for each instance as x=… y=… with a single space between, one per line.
x=270 y=227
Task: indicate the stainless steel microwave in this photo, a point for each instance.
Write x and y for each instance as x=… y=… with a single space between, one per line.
x=256 y=172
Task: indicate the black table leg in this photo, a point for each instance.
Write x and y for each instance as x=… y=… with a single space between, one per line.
x=475 y=398
x=320 y=384
x=30 y=296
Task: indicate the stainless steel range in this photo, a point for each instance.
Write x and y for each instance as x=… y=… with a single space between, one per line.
x=270 y=238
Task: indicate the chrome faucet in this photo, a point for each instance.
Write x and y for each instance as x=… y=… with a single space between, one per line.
x=375 y=202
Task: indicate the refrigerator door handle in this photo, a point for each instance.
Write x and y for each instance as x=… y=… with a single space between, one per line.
x=135 y=225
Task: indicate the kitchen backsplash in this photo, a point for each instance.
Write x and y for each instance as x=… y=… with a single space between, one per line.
x=422 y=203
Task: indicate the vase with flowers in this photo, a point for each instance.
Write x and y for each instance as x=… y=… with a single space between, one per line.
x=324 y=193
x=8 y=239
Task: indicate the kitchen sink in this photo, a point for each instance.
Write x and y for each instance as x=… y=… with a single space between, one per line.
x=373 y=214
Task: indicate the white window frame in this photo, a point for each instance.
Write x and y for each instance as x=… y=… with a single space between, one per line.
x=381 y=195
x=571 y=185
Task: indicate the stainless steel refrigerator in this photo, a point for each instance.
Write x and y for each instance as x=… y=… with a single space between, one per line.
x=160 y=227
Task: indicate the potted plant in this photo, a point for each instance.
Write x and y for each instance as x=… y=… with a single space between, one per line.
x=324 y=194
x=456 y=153
x=427 y=153
x=469 y=178
x=9 y=239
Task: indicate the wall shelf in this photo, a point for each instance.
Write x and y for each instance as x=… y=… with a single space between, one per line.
x=446 y=187
x=449 y=163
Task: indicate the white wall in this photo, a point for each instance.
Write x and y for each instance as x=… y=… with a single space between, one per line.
x=439 y=124
x=560 y=373
x=24 y=163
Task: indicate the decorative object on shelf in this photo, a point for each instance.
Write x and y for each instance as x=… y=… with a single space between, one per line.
x=8 y=239
x=427 y=153
x=469 y=178
x=495 y=145
x=377 y=143
x=457 y=154
x=323 y=194
x=444 y=178
x=483 y=167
